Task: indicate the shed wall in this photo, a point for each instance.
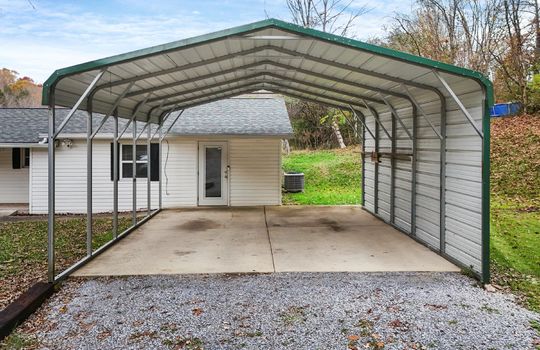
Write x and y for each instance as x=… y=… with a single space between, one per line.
x=388 y=191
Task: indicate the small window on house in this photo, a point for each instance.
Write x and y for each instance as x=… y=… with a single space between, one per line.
x=26 y=160
x=141 y=161
x=20 y=158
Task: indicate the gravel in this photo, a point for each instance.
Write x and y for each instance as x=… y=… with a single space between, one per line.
x=284 y=311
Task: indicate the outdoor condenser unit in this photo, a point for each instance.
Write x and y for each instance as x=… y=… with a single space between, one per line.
x=294 y=182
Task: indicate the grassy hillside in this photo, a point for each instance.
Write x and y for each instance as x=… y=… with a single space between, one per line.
x=331 y=176
x=515 y=205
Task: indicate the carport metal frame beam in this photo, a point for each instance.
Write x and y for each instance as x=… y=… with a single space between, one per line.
x=90 y=134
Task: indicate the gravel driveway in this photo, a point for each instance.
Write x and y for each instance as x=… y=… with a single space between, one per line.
x=284 y=311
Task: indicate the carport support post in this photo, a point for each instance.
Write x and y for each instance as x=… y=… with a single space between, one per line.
x=363 y=160
x=160 y=164
x=115 y=176
x=376 y=170
x=413 y=169
x=134 y=171
x=393 y=170
x=89 y=147
x=442 y=238
x=51 y=190
x=149 y=167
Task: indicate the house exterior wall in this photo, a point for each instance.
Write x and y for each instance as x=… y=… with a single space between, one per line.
x=14 y=184
x=255 y=176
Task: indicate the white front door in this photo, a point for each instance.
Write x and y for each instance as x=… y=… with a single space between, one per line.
x=213 y=173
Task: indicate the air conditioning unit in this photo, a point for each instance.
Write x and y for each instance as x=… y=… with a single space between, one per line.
x=293 y=182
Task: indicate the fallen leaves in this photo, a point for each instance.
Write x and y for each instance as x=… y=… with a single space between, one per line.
x=197 y=311
x=399 y=325
x=515 y=157
x=23 y=259
x=436 y=307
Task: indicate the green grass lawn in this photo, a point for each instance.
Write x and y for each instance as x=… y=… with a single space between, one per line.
x=515 y=249
x=515 y=206
x=331 y=176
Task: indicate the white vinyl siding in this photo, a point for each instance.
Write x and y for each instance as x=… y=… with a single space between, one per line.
x=179 y=173
x=255 y=171
x=71 y=181
x=13 y=182
x=255 y=176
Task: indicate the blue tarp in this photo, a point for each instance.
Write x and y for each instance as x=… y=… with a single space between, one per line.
x=504 y=109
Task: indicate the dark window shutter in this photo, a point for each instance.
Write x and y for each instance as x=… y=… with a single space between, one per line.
x=117 y=163
x=16 y=158
x=154 y=162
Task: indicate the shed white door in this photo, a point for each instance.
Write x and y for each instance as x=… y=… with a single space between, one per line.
x=213 y=173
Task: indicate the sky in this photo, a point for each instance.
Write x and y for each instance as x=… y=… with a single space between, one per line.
x=39 y=36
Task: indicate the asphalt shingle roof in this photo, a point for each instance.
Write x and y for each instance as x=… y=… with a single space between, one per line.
x=242 y=116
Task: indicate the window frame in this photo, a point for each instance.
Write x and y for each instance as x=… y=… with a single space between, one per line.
x=130 y=162
x=25 y=157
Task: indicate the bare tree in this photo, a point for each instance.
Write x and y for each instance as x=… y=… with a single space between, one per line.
x=332 y=16
x=500 y=38
x=453 y=31
x=517 y=56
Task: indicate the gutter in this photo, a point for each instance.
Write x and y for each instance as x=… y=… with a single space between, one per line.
x=108 y=136
x=23 y=145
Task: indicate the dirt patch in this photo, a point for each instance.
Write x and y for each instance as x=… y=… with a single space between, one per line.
x=333 y=224
x=199 y=225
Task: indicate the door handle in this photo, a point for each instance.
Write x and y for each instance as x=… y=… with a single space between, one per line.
x=227 y=171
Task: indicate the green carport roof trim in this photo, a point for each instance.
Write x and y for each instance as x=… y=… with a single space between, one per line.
x=268 y=23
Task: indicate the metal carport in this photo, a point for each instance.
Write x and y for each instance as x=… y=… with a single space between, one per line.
x=425 y=124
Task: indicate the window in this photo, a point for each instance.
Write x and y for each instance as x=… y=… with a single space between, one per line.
x=141 y=161
x=26 y=160
x=124 y=163
x=20 y=158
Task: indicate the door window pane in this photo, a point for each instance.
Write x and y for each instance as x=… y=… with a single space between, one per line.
x=213 y=172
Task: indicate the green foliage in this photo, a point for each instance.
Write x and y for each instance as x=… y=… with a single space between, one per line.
x=18 y=92
x=533 y=89
x=16 y=341
x=312 y=125
x=331 y=176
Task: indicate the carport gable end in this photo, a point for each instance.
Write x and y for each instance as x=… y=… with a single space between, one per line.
x=452 y=100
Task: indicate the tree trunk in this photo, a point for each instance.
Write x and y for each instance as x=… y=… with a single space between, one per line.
x=339 y=138
x=286 y=146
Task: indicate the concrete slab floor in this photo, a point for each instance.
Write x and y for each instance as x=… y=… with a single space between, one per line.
x=7 y=209
x=258 y=239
